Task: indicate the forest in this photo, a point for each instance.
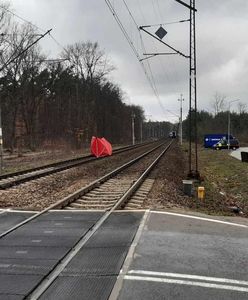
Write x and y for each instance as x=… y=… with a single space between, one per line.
x=64 y=101
x=208 y=123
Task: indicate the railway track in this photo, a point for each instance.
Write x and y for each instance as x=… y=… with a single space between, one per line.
x=111 y=192
x=120 y=196
x=114 y=187
x=12 y=179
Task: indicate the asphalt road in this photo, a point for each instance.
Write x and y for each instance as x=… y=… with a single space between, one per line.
x=179 y=257
x=237 y=153
x=173 y=256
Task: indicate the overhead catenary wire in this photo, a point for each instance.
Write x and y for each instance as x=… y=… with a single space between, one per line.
x=21 y=18
x=130 y=42
x=11 y=59
x=154 y=42
x=159 y=10
x=142 y=45
x=33 y=25
x=149 y=66
x=149 y=74
x=154 y=9
x=172 y=70
x=151 y=78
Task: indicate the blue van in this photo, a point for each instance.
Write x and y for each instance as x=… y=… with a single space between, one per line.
x=212 y=139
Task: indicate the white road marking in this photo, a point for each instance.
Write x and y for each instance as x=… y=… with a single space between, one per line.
x=93 y=210
x=21 y=211
x=21 y=252
x=5 y=265
x=75 y=210
x=187 y=276
x=199 y=218
x=187 y=282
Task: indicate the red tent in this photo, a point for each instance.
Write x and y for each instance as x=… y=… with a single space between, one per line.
x=100 y=147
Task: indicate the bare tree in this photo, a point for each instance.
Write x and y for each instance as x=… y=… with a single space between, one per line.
x=218 y=103
x=242 y=107
x=87 y=60
x=5 y=19
x=19 y=77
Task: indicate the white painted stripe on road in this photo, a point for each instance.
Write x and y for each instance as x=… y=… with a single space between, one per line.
x=21 y=211
x=199 y=218
x=96 y=210
x=187 y=276
x=187 y=282
x=75 y=210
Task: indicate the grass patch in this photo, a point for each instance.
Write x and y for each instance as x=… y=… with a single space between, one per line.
x=225 y=181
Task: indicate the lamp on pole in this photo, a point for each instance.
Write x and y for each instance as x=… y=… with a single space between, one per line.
x=229 y=123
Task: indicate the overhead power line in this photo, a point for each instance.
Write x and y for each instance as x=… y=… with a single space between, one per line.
x=135 y=51
x=148 y=64
x=21 y=18
x=23 y=51
x=33 y=25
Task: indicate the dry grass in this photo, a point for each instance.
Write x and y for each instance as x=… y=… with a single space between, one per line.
x=225 y=181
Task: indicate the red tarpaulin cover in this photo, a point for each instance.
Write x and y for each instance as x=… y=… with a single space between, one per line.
x=100 y=147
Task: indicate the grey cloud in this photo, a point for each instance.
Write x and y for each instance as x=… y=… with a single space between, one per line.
x=222 y=47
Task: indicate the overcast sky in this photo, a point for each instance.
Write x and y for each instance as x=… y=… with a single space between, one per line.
x=222 y=46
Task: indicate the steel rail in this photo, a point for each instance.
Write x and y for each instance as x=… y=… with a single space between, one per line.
x=49 y=279
x=122 y=201
x=69 y=199
x=21 y=172
x=57 y=167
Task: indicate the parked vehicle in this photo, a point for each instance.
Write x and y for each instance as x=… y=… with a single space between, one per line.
x=223 y=144
x=211 y=139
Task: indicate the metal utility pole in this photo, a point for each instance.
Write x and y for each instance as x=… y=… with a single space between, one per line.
x=191 y=7
x=229 y=129
x=141 y=131
x=193 y=163
x=1 y=69
x=193 y=171
x=133 y=136
x=181 y=118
